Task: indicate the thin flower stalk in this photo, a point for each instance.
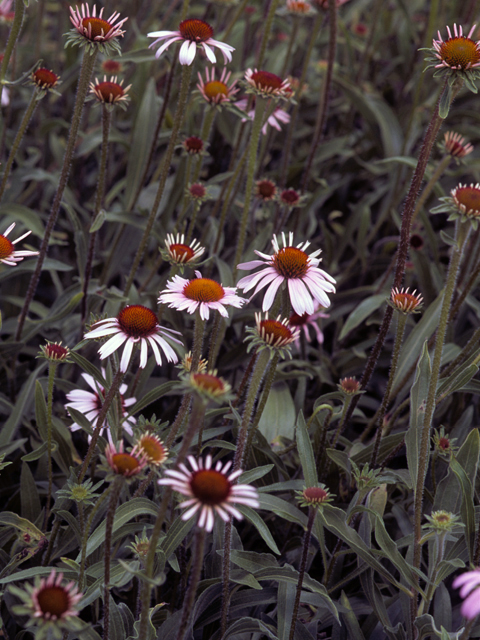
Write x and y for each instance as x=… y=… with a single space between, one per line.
x=112 y=506
x=52 y=367
x=266 y=32
x=401 y=322
x=325 y=95
x=27 y=116
x=177 y=123
x=99 y=196
x=86 y=534
x=10 y=46
x=82 y=89
x=260 y=106
x=269 y=378
x=235 y=18
x=404 y=244
x=194 y=580
x=301 y=571
x=291 y=41
x=461 y=236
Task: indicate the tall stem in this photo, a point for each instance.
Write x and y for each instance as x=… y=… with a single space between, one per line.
x=88 y=63
x=177 y=123
x=260 y=106
x=112 y=506
x=102 y=173
x=270 y=377
x=11 y=42
x=194 y=580
x=266 y=31
x=301 y=571
x=32 y=105
x=462 y=233
x=86 y=533
x=51 y=382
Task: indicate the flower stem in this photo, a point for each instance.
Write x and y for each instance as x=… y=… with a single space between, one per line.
x=112 y=506
x=32 y=105
x=301 y=572
x=266 y=32
x=11 y=42
x=86 y=533
x=51 y=382
x=270 y=377
x=99 y=196
x=88 y=63
x=260 y=106
x=194 y=580
x=401 y=321
x=116 y=382
x=177 y=123
x=462 y=233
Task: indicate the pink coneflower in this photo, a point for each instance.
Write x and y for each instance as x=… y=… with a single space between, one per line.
x=125 y=464
x=307 y=320
x=458 y=52
x=8 y=255
x=305 y=281
x=468 y=583
x=265 y=190
x=44 y=78
x=456 y=145
x=181 y=253
x=199 y=293
x=267 y=84
x=153 y=449
x=193 y=145
x=110 y=91
x=135 y=324
x=278 y=117
x=192 y=32
x=299 y=8
x=216 y=91
x=210 y=491
x=273 y=334
x=95 y=28
x=90 y=404
x=467 y=199
x=404 y=301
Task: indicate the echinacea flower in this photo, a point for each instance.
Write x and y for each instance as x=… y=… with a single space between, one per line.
x=125 y=464
x=273 y=334
x=209 y=491
x=208 y=386
x=265 y=190
x=44 y=79
x=458 y=52
x=275 y=119
x=110 y=92
x=216 y=91
x=314 y=496
x=92 y=30
x=194 y=145
x=135 y=324
x=181 y=253
x=8 y=255
x=52 y=607
x=191 y=32
x=267 y=84
x=349 y=386
x=299 y=8
x=463 y=203
x=153 y=449
x=468 y=583
x=293 y=266
x=199 y=293
x=90 y=404
x=404 y=301
x=307 y=320
x=54 y=352
x=456 y=145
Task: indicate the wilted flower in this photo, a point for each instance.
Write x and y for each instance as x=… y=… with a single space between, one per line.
x=193 y=145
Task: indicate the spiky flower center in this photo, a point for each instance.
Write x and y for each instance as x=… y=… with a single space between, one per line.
x=111 y=66
x=194 y=144
x=468 y=198
x=289 y=197
x=53 y=601
x=196 y=30
x=299 y=321
x=197 y=191
x=444 y=443
x=137 y=321
x=56 y=351
x=96 y=26
x=181 y=252
x=124 y=463
x=350 y=385
x=109 y=91
x=274 y=331
x=460 y=53
x=297 y=6
x=45 y=78
x=267 y=81
x=209 y=383
x=153 y=448
x=214 y=89
x=210 y=487
x=266 y=189
x=315 y=495
x=6 y=247
x=203 y=290
x=405 y=300
x=291 y=262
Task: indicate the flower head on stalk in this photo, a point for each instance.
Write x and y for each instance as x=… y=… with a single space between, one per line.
x=90 y=404
x=275 y=335
x=45 y=80
x=291 y=198
x=54 y=352
x=294 y=267
x=153 y=449
x=214 y=91
x=8 y=254
x=314 y=497
x=134 y=325
x=192 y=32
x=194 y=146
x=199 y=293
x=210 y=491
x=457 y=56
x=125 y=464
x=456 y=146
x=307 y=320
x=444 y=446
x=186 y=364
x=179 y=253
x=463 y=203
x=52 y=606
x=442 y=522
x=278 y=117
x=349 y=386
x=404 y=301
x=266 y=84
x=468 y=583
x=265 y=190
x=197 y=192
x=110 y=92
x=208 y=386
x=297 y=8
x=93 y=31
x=81 y=493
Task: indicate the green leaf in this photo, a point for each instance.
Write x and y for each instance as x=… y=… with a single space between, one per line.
x=349 y=617
x=283 y=509
x=252 y=516
x=250 y=626
x=40 y=410
x=459 y=378
x=153 y=395
x=418 y=396
x=286 y=600
x=361 y=313
x=38 y=453
x=445 y=102
x=250 y=476
x=10 y=519
x=89 y=368
x=98 y=222
x=305 y=452
x=468 y=507
x=177 y=533
x=278 y=417
x=29 y=498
